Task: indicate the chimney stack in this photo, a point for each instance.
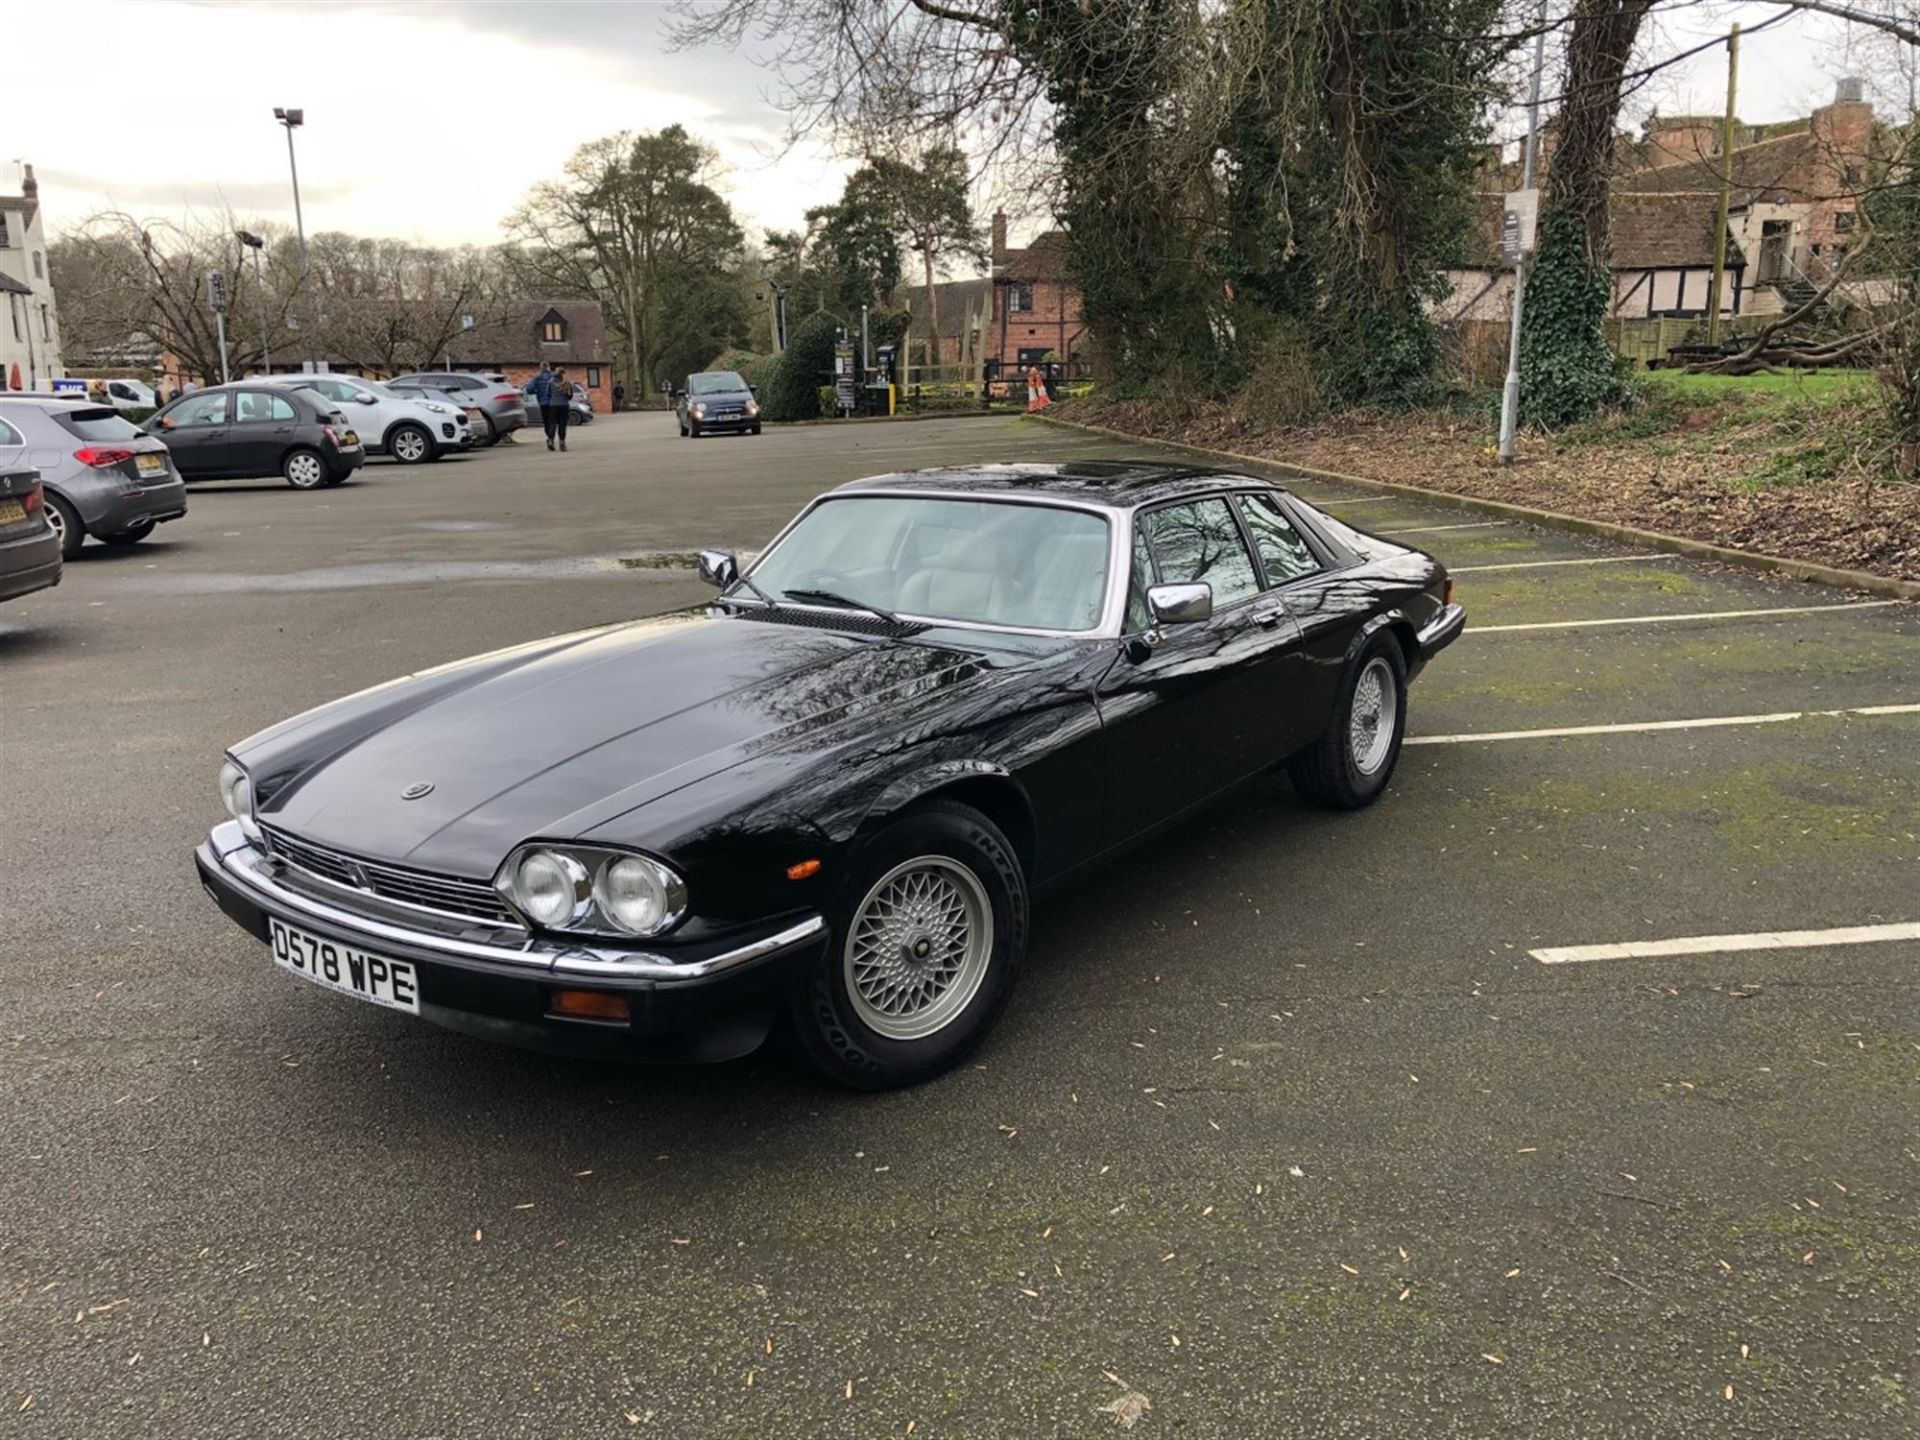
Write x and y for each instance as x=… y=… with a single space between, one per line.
x=1849 y=90
x=29 y=187
x=999 y=238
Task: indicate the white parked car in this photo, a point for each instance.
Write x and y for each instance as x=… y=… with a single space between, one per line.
x=131 y=395
x=406 y=426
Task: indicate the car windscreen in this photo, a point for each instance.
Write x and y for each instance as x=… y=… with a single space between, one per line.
x=95 y=422
x=1029 y=566
x=717 y=382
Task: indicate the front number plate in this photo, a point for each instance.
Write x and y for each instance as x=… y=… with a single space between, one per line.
x=373 y=978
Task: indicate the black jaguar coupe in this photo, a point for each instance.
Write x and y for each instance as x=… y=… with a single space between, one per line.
x=827 y=801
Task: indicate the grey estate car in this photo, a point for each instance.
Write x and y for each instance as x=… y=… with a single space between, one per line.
x=499 y=403
x=102 y=476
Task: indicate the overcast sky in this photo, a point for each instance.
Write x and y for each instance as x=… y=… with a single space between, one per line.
x=429 y=120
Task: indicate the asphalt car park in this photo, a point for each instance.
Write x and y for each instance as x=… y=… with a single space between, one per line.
x=1570 y=1089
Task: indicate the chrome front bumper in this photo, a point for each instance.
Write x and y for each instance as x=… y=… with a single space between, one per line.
x=242 y=880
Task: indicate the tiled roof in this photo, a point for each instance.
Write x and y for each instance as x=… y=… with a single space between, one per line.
x=1760 y=171
x=515 y=339
x=1044 y=259
x=951 y=301
x=1666 y=231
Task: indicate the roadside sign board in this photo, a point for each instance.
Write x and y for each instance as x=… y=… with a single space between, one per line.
x=843 y=374
x=216 y=292
x=1519 y=219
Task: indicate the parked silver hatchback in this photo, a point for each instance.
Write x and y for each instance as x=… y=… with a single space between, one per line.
x=102 y=476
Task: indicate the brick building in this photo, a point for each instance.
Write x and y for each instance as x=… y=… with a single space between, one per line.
x=572 y=333
x=1797 y=188
x=963 y=315
x=1036 y=304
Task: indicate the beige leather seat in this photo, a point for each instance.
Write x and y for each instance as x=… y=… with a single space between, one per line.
x=1064 y=583
x=966 y=583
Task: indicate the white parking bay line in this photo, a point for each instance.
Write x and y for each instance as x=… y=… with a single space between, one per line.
x=1705 y=723
x=1727 y=944
x=1687 y=615
x=1436 y=529
x=1545 y=564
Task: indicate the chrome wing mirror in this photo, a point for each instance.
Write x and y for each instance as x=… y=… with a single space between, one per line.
x=1183 y=604
x=719 y=569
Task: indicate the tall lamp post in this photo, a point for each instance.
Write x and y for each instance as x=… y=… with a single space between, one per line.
x=256 y=244
x=293 y=120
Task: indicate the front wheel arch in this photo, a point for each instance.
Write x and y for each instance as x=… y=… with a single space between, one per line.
x=979 y=784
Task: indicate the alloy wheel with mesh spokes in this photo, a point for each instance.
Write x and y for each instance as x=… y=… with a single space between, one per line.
x=1372 y=715
x=918 y=947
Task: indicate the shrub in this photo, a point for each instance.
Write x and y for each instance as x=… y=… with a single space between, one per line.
x=792 y=390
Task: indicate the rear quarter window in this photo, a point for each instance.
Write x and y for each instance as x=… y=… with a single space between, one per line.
x=96 y=423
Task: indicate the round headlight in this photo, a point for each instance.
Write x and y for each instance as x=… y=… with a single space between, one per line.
x=640 y=895
x=753 y=407
x=550 y=888
x=236 y=791
x=699 y=412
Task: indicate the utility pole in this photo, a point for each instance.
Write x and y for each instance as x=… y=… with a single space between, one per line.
x=1510 y=392
x=1726 y=190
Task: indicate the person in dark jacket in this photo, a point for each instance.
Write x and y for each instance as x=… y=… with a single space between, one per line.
x=556 y=405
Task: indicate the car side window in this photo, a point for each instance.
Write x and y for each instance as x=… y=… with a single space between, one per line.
x=1283 y=552
x=1201 y=541
x=254 y=406
x=10 y=436
x=202 y=410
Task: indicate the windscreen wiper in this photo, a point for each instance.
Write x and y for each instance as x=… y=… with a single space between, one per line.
x=846 y=602
x=741 y=579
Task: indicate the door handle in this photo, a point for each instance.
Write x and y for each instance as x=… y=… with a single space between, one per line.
x=1269 y=620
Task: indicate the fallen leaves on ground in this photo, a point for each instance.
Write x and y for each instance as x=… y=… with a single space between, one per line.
x=1128 y=1408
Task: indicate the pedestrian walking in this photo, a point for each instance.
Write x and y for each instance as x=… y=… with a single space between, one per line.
x=558 y=408
x=619 y=395
x=541 y=389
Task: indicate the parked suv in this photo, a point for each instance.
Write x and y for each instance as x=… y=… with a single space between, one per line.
x=500 y=405
x=102 y=476
x=402 y=423
x=231 y=432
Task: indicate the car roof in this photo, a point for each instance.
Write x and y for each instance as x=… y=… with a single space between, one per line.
x=1116 y=484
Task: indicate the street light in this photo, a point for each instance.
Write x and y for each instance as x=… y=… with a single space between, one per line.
x=293 y=119
x=256 y=244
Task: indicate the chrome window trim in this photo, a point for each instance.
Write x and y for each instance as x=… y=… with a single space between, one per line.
x=529 y=957
x=1112 y=603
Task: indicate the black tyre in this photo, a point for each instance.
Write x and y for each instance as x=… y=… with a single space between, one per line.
x=1349 y=765
x=692 y=432
x=304 y=469
x=132 y=535
x=756 y=430
x=410 y=444
x=493 y=431
x=66 y=523
x=927 y=935
x=683 y=429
